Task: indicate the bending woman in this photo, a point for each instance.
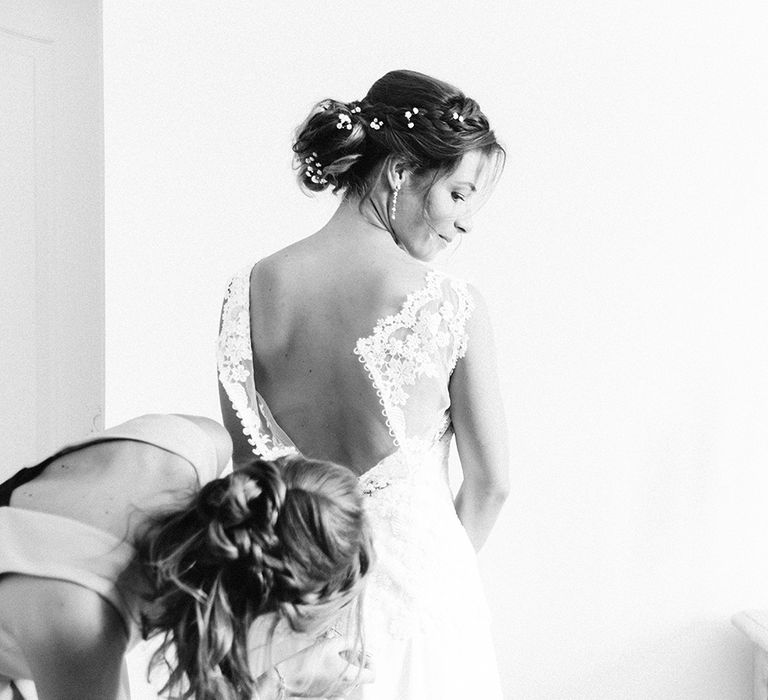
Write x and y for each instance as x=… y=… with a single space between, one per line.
x=349 y=346
x=131 y=531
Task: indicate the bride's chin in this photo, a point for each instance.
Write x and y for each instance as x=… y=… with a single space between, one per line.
x=440 y=245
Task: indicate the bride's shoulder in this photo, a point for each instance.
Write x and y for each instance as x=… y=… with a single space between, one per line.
x=240 y=276
x=454 y=287
x=275 y=262
x=297 y=260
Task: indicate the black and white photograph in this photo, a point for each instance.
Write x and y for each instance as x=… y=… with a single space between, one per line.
x=383 y=350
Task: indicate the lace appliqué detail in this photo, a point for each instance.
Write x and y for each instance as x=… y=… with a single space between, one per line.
x=411 y=344
x=235 y=364
x=409 y=506
x=408 y=499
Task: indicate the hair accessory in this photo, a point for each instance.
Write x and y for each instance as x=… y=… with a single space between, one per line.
x=345 y=122
x=376 y=123
x=458 y=117
x=355 y=109
x=314 y=171
x=409 y=114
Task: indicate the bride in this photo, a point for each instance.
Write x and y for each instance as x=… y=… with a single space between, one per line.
x=348 y=346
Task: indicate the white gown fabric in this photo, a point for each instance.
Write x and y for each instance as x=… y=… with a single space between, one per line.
x=426 y=624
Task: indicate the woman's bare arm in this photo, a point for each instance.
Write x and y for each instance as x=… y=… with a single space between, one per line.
x=477 y=414
x=72 y=639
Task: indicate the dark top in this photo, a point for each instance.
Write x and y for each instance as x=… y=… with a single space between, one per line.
x=20 y=477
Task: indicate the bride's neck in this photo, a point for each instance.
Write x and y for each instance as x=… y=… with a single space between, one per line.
x=362 y=219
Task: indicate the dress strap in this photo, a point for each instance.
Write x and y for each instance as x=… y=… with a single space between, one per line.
x=235 y=364
x=18 y=479
x=423 y=341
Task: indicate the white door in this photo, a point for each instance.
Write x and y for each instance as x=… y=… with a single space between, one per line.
x=51 y=226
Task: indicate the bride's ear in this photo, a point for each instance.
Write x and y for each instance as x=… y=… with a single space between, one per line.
x=396 y=172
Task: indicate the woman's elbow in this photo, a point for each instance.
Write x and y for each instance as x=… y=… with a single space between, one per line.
x=499 y=489
x=492 y=488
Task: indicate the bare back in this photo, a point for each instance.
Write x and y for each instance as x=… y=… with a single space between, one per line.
x=110 y=484
x=323 y=319
x=310 y=304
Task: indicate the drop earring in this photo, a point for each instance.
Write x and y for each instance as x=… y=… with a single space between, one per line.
x=395 y=192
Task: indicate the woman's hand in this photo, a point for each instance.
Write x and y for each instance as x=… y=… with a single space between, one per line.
x=329 y=668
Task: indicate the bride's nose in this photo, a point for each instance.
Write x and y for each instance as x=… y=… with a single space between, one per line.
x=464 y=224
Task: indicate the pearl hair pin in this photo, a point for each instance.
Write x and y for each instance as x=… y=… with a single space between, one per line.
x=410 y=113
x=345 y=121
x=314 y=171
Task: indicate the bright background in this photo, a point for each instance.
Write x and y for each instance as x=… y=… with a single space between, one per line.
x=623 y=255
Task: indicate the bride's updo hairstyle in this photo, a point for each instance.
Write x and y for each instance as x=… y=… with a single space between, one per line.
x=288 y=537
x=425 y=122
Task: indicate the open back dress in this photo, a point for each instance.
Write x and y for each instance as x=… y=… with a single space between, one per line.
x=425 y=620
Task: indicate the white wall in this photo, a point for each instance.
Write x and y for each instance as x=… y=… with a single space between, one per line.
x=51 y=227
x=623 y=256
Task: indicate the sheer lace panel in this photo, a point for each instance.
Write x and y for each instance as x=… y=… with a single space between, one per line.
x=410 y=356
x=235 y=365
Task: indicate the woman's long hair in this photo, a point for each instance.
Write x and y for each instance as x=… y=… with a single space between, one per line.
x=288 y=537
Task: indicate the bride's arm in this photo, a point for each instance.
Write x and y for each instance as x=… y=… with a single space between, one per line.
x=477 y=414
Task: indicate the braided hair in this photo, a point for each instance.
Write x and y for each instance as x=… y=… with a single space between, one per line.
x=425 y=122
x=288 y=537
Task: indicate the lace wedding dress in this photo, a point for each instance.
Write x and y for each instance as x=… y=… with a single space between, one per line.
x=426 y=624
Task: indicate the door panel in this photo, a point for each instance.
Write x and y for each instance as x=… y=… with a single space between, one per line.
x=51 y=227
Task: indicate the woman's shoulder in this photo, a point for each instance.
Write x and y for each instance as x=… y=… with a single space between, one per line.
x=201 y=441
x=449 y=280
x=217 y=434
x=424 y=298
x=81 y=627
x=268 y=265
x=388 y=282
x=284 y=266
x=439 y=285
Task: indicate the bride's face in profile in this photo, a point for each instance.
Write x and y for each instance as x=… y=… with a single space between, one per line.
x=426 y=226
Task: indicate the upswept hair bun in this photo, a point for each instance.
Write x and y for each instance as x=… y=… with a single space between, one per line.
x=426 y=122
x=288 y=536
